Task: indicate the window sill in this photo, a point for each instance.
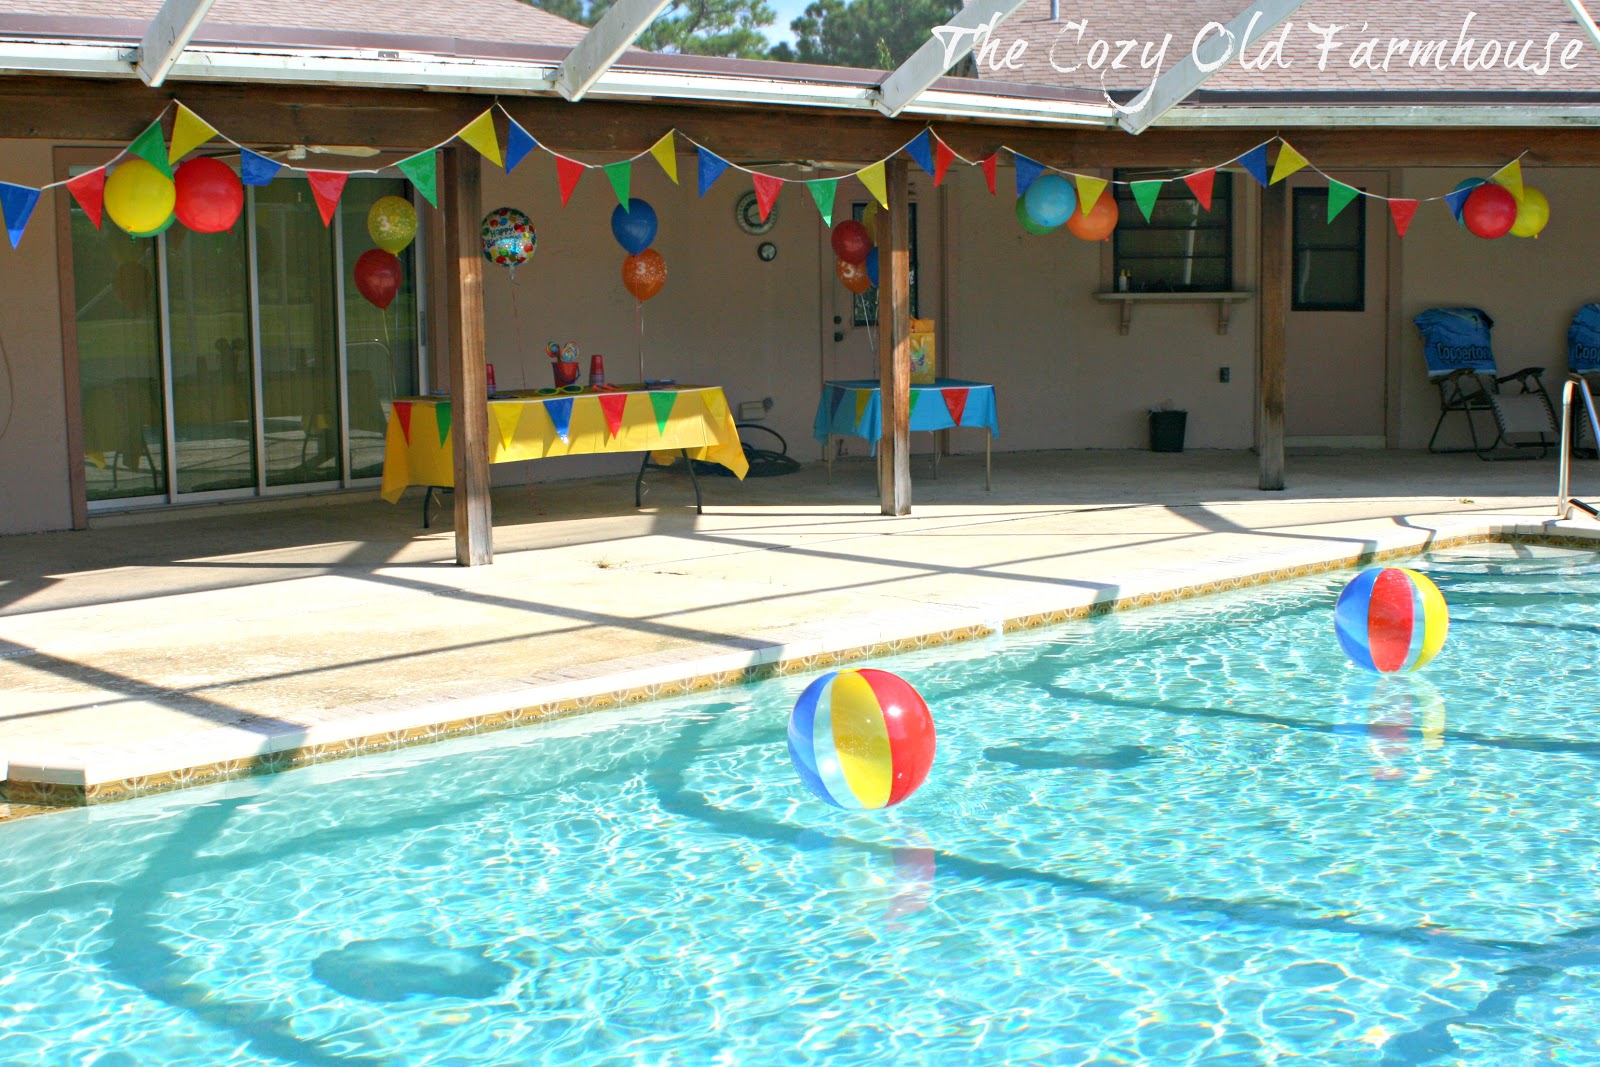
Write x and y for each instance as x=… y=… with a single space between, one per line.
x=1224 y=302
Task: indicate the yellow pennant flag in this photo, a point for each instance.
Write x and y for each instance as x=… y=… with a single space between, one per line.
x=1288 y=162
x=479 y=133
x=872 y=177
x=666 y=153
x=506 y=417
x=863 y=398
x=189 y=131
x=1510 y=176
x=1089 y=190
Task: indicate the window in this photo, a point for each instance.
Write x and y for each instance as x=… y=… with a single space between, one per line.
x=866 y=304
x=1183 y=248
x=1330 y=258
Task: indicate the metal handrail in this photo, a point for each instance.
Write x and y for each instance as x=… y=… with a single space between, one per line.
x=1565 y=501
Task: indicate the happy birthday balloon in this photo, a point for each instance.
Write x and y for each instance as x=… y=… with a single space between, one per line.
x=644 y=274
x=853 y=276
x=508 y=238
x=392 y=223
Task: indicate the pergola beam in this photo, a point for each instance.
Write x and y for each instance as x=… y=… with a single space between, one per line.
x=1586 y=20
x=948 y=45
x=167 y=36
x=1174 y=86
x=604 y=44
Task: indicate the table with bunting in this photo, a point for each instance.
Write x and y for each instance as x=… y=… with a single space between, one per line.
x=691 y=421
x=855 y=409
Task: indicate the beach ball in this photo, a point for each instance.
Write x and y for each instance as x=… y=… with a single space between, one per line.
x=861 y=739
x=139 y=198
x=1391 y=619
x=1050 y=201
x=392 y=223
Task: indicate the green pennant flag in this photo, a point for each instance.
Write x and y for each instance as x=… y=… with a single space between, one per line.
x=1339 y=197
x=1145 y=193
x=423 y=170
x=621 y=175
x=152 y=148
x=823 y=190
x=663 y=402
x=441 y=411
x=916 y=395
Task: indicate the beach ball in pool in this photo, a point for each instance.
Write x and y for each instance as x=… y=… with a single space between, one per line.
x=861 y=739
x=1391 y=619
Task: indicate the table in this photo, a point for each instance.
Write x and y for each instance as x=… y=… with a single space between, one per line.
x=855 y=409
x=688 y=420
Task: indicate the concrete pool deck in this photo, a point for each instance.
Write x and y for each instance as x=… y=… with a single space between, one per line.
x=170 y=648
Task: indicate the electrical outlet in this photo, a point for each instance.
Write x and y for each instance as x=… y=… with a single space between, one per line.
x=750 y=410
x=1225 y=375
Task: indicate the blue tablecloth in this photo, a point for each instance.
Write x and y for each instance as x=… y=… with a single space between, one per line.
x=855 y=408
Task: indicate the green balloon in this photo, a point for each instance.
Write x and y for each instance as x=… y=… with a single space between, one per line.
x=1027 y=220
x=163 y=228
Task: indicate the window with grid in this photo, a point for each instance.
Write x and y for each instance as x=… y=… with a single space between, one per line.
x=1330 y=258
x=1183 y=248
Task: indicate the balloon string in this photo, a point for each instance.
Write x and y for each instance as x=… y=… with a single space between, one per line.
x=639 y=309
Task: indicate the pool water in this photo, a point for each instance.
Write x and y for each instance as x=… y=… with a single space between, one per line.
x=1185 y=835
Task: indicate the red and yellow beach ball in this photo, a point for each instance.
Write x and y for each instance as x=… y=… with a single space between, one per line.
x=861 y=739
x=1390 y=619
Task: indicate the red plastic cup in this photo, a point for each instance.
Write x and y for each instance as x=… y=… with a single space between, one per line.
x=565 y=370
x=597 y=371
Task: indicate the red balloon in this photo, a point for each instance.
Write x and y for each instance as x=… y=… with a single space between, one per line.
x=1490 y=211
x=210 y=195
x=851 y=241
x=378 y=276
x=644 y=274
x=853 y=275
x=1098 y=223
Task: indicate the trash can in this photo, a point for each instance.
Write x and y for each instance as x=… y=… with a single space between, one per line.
x=1166 y=430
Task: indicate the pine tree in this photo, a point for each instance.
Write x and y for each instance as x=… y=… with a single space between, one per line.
x=729 y=28
x=878 y=34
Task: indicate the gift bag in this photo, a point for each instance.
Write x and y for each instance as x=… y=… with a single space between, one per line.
x=922 y=356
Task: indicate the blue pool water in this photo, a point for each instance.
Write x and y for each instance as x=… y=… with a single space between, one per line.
x=1186 y=835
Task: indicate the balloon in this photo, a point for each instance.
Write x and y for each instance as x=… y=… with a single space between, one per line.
x=869 y=217
x=872 y=267
x=1098 y=223
x=853 y=275
x=138 y=197
x=851 y=241
x=508 y=237
x=1466 y=183
x=208 y=195
x=644 y=274
x=634 y=226
x=1027 y=221
x=378 y=277
x=1050 y=201
x=1391 y=619
x=1533 y=214
x=392 y=223
x=163 y=228
x=1490 y=211
x=861 y=739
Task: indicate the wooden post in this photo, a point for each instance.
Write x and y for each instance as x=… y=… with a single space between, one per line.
x=894 y=342
x=460 y=182
x=1271 y=340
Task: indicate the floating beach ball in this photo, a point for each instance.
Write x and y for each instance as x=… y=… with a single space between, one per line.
x=861 y=739
x=1391 y=619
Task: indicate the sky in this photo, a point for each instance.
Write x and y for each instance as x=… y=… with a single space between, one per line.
x=788 y=11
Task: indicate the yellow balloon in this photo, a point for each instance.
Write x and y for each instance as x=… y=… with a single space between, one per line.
x=1533 y=214
x=392 y=223
x=139 y=198
x=869 y=218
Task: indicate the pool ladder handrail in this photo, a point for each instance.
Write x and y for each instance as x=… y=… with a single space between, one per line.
x=1565 y=501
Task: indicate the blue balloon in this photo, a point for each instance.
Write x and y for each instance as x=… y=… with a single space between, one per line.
x=1458 y=204
x=1050 y=201
x=634 y=227
x=872 y=267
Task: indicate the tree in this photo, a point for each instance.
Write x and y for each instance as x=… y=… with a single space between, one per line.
x=729 y=28
x=878 y=34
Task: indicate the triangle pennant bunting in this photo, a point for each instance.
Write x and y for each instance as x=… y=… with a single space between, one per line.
x=519 y=142
x=621 y=176
x=943 y=156
x=955 y=402
x=506 y=417
x=711 y=168
x=1457 y=199
x=1339 y=197
x=1255 y=161
x=568 y=171
x=1089 y=190
x=402 y=415
x=1145 y=194
x=1289 y=162
x=612 y=405
x=662 y=403
x=1402 y=211
x=1510 y=176
x=560 y=412
x=835 y=398
x=875 y=181
x=441 y=414
x=189 y=131
x=916 y=398
x=423 y=170
x=479 y=133
x=863 y=398
x=150 y=147
x=89 y=190
x=767 y=190
x=990 y=162
x=257 y=169
x=17 y=203
x=920 y=148
x=665 y=152
x=824 y=191
x=326 y=187
x=1202 y=185
x=1028 y=171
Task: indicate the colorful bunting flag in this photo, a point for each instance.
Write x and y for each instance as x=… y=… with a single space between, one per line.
x=560 y=412
x=1402 y=212
x=568 y=171
x=943 y=156
x=1028 y=171
x=17 y=203
x=506 y=417
x=875 y=181
x=711 y=168
x=1255 y=161
x=665 y=152
x=402 y=415
x=916 y=398
x=1510 y=176
x=89 y=190
x=1339 y=197
x=823 y=191
x=835 y=398
x=621 y=176
x=612 y=405
x=189 y=131
x=519 y=142
x=441 y=413
x=920 y=148
x=479 y=133
x=257 y=169
x=1289 y=161
x=990 y=162
x=326 y=187
x=1457 y=199
x=1089 y=190
x=150 y=147
x=423 y=170
x=662 y=403
x=1145 y=194
x=767 y=190
x=1202 y=185
x=955 y=402
x=863 y=398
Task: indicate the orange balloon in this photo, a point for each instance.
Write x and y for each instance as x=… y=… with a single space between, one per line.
x=644 y=274
x=853 y=275
x=1098 y=223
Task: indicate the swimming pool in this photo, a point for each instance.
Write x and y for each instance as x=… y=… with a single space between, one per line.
x=1182 y=835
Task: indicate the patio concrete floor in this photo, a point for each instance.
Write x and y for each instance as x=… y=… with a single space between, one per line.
x=168 y=640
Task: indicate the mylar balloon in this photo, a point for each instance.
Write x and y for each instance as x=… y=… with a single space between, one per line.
x=208 y=195
x=378 y=276
x=853 y=275
x=1027 y=220
x=644 y=274
x=138 y=197
x=851 y=241
x=1533 y=213
x=392 y=223
x=1098 y=223
x=1490 y=211
x=1050 y=201
x=508 y=237
x=872 y=267
x=634 y=226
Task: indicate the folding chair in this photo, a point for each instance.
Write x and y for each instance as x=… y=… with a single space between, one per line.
x=1583 y=359
x=1461 y=363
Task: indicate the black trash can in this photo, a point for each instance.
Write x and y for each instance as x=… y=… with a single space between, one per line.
x=1166 y=430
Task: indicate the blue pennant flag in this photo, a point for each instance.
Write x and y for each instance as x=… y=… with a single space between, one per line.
x=519 y=142
x=921 y=150
x=17 y=202
x=1027 y=171
x=560 y=412
x=257 y=169
x=1255 y=161
x=711 y=168
x=1457 y=199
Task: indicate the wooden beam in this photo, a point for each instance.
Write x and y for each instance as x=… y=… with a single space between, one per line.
x=1585 y=20
x=949 y=45
x=894 y=342
x=1272 y=338
x=461 y=183
x=604 y=44
x=167 y=36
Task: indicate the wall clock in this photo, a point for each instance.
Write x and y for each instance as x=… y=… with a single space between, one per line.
x=748 y=214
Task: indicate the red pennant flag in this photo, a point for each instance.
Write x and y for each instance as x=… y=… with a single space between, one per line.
x=988 y=170
x=326 y=187
x=955 y=402
x=767 y=190
x=612 y=404
x=1201 y=185
x=568 y=171
x=89 y=190
x=402 y=413
x=943 y=156
x=1402 y=211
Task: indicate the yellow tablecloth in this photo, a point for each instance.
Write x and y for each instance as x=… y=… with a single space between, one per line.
x=417 y=448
